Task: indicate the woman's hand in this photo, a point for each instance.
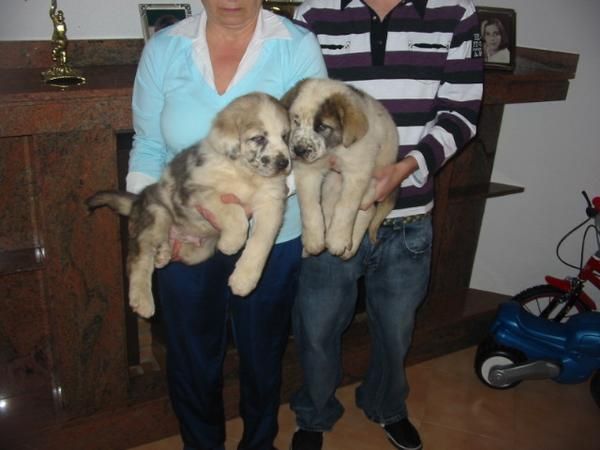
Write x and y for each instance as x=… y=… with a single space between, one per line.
x=176 y=239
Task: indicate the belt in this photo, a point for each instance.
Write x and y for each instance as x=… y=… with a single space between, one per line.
x=404 y=220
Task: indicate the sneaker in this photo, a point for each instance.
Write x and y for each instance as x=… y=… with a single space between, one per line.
x=307 y=440
x=403 y=435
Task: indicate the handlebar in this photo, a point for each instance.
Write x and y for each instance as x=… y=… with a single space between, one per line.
x=593 y=207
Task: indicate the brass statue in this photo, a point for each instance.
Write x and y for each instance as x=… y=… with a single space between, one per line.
x=61 y=74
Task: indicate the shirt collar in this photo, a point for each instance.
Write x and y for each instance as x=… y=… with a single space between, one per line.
x=269 y=26
x=420 y=5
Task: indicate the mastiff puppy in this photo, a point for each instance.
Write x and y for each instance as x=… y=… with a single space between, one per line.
x=245 y=154
x=339 y=135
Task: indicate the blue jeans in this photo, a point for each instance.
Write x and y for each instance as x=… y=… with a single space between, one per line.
x=196 y=306
x=396 y=271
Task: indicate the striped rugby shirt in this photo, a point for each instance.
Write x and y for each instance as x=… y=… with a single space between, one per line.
x=423 y=62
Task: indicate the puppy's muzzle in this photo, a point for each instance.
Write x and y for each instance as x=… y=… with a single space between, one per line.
x=302 y=151
x=281 y=163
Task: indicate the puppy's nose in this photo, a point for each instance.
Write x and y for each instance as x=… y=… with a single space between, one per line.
x=281 y=163
x=300 y=150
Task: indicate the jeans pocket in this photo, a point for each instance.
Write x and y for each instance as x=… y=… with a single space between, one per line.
x=418 y=236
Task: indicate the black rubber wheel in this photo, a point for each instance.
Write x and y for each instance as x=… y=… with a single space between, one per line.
x=595 y=387
x=490 y=354
x=548 y=300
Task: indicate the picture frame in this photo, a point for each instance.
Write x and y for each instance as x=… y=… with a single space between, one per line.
x=155 y=16
x=499 y=25
x=283 y=8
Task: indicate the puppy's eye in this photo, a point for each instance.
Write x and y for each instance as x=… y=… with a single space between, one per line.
x=259 y=140
x=296 y=121
x=286 y=137
x=322 y=128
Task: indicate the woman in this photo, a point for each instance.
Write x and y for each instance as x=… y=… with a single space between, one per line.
x=495 y=41
x=187 y=73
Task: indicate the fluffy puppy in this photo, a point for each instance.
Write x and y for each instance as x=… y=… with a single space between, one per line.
x=339 y=135
x=245 y=154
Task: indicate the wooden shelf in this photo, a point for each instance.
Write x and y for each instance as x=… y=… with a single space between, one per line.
x=539 y=76
x=488 y=190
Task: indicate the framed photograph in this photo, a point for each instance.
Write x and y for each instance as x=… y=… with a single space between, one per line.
x=156 y=16
x=498 y=37
x=283 y=8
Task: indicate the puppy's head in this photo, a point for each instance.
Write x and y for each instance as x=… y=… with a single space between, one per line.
x=253 y=130
x=324 y=115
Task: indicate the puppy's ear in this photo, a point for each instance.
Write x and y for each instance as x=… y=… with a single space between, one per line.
x=289 y=97
x=225 y=133
x=354 y=122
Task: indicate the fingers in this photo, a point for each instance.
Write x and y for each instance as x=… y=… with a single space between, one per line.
x=175 y=250
x=232 y=198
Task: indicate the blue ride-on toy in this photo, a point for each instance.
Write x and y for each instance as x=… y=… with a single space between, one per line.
x=522 y=346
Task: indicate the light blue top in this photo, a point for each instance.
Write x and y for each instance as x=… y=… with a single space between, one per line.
x=175 y=99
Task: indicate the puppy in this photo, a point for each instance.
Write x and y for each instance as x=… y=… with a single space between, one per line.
x=339 y=135
x=246 y=154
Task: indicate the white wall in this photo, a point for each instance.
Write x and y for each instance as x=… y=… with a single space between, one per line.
x=86 y=19
x=549 y=148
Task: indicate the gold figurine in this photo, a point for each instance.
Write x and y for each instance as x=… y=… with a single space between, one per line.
x=61 y=74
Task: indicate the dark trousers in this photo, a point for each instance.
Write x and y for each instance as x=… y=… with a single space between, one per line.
x=196 y=305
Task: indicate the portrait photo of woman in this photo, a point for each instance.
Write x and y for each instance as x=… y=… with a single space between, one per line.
x=497 y=36
x=495 y=41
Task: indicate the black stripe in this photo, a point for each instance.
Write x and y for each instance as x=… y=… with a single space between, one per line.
x=340 y=28
x=397 y=24
x=413 y=119
x=464 y=77
x=388 y=72
x=451 y=127
x=402 y=24
x=427 y=153
x=414 y=200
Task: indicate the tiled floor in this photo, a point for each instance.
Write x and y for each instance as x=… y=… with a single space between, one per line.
x=454 y=411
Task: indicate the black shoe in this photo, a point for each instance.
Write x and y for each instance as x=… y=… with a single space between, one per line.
x=307 y=440
x=403 y=435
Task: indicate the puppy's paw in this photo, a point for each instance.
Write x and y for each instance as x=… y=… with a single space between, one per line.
x=231 y=243
x=242 y=281
x=313 y=243
x=163 y=255
x=348 y=254
x=338 y=244
x=143 y=306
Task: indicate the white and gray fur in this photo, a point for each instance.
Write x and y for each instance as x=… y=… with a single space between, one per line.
x=245 y=154
x=332 y=120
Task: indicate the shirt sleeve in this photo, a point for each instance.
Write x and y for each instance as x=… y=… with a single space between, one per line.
x=306 y=59
x=457 y=102
x=148 y=155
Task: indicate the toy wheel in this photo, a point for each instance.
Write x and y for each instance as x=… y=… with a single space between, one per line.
x=595 y=387
x=538 y=300
x=491 y=354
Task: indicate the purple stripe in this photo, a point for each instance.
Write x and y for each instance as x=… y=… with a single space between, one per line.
x=464 y=129
x=464 y=65
x=437 y=151
x=403 y=150
x=413 y=191
x=334 y=16
x=449 y=105
x=445 y=13
x=434 y=59
x=409 y=105
x=469 y=24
